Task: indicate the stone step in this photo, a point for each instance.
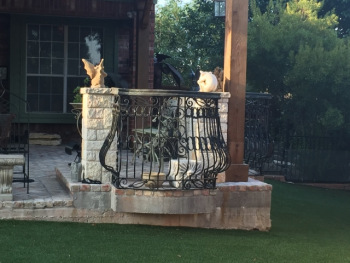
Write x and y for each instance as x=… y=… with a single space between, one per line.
x=45 y=139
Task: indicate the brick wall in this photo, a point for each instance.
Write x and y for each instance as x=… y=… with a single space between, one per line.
x=72 y=8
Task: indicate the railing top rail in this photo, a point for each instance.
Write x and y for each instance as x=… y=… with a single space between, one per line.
x=166 y=93
x=257 y=95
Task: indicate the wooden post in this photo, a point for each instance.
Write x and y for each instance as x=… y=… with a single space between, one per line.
x=144 y=34
x=235 y=62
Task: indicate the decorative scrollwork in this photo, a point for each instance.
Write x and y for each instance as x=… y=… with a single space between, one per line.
x=166 y=140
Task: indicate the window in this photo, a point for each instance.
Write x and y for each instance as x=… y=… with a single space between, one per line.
x=54 y=67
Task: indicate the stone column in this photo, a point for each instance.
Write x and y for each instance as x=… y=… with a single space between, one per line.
x=7 y=162
x=223 y=111
x=96 y=123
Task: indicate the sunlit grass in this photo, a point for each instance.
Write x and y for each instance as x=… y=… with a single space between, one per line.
x=308 y=225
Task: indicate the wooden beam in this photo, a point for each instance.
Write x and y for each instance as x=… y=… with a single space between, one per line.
x=235 y=63
x=143 y=44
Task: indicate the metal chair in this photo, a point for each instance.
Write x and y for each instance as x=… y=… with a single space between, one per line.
x=5 y=130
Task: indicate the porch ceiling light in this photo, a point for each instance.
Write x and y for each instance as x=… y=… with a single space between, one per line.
x=219 y=8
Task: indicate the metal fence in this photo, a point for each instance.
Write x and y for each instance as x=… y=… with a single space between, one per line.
x=298 y=158
x=317 y=159
x=258 y=145
x=14 y=134
x=166 y=140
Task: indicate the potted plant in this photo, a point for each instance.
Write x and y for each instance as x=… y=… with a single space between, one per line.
x=77 y=99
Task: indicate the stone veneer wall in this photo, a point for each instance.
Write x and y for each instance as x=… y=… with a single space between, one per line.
x=244 y=205
x=223 y=111
x=96 y=123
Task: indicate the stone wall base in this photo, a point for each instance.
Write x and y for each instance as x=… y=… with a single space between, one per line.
x=250 y=219
x=244 y=205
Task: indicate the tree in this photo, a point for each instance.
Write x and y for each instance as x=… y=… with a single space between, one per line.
x=295 y=54
x=191 y=35
x=342 y=9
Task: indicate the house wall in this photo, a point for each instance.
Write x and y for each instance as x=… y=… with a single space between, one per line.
x=72 y=8
x=133 y=42
x=126 y=48
x=127 y=41
x=5 y=47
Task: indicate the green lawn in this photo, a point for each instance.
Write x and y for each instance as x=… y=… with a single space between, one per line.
x=308 y=225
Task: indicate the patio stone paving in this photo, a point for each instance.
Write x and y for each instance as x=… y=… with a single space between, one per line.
x=42 y=163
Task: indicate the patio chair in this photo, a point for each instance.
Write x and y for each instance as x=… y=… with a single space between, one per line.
x=149 y=142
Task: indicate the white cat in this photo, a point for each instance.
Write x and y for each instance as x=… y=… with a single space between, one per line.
x=207 y=82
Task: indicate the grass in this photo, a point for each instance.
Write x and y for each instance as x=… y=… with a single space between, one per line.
x=308 y=225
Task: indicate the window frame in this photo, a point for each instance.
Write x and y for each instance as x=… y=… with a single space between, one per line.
x=18 y=58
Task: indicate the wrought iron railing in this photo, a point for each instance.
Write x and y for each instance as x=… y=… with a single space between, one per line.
x=317 y=159
x=166 y=139
x=258 y=146
x=14 y=133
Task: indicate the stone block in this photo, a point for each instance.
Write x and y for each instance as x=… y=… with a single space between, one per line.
x=93 y=146
x=106 y=187
x=223 y=107
x=90 y=135
x=91 y=156
x=106 y=176
x=224 y=128
x=95 y=188
x=94 y=124
x=154 y=204
x=107 y=117
x=225 y=95
x=111 y=158
x=98 y=101
x=223 y=118
x=95 y=113
x=93 y=170
x=44 y=139
x=92 y=200
x=102 y=134
x=85 y=188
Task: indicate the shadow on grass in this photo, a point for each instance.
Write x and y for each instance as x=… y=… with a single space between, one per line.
x=308 y=225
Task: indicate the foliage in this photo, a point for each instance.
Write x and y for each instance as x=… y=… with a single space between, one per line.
x=340 y=7
x=297 y=51
x=77 y=96
x=295 y=54
x=191 y=35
